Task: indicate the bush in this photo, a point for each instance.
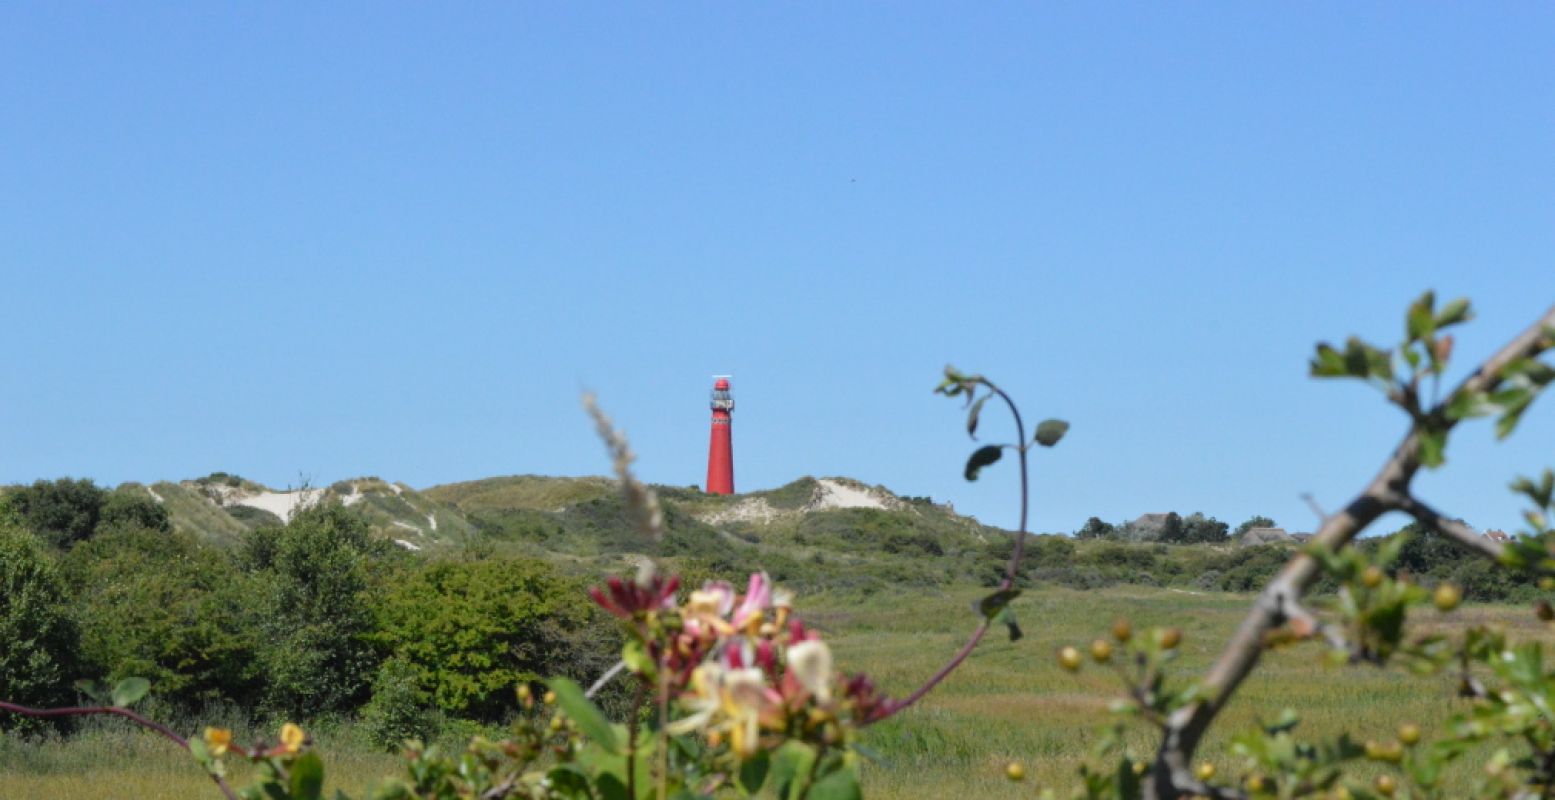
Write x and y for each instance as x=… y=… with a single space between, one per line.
x=396 y=713
x=63 y=511
x=472 y=631
x=131 y=509
x=157 y=605
x=313 y=590
x=38 y=659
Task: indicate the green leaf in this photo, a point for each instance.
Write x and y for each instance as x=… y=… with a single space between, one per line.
x=1433 y=446
x=990 y=606
x=839 y=784
x=1420 y=321
x=1049 y=431
x=971 y=417
x=1454 y=312
x=1541 y=493
x=1128 y=782
x=307 y=777
x=129 y=691
x=593 y=724
x=753 y=772
x=1007 y=618
x=790 y=767
x=1465 y=405
x=1328 y=363
x=984 y=456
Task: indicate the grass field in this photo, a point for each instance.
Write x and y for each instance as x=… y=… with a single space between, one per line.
x=1009 y=702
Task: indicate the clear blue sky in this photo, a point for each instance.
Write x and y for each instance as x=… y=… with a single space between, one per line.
x=397 y=239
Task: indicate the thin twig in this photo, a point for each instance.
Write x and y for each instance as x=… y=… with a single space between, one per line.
x=1010 y=572
x=82 y=711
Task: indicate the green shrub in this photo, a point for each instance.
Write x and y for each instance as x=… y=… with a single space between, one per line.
x=62 y=511
x=397 y=711
x=472 y=631
x=314 y=592
x=133 y=508
x=38 y=641
x=157 y=605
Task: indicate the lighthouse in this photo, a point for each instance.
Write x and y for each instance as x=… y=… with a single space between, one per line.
x=720 y=453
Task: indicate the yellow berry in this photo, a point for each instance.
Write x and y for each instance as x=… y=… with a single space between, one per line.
x=1122 y=630
x=1409 y=734
x=1374 y=750
x=1069 y=658
x=1372 y=577
x=1169 y=638
x=1140 y=767
x=1254 y=783
x=1447 y=597
x=1205 y=771
x=550 y=698
x=1014 y=771
x=1385 y=785
x=1101 y=650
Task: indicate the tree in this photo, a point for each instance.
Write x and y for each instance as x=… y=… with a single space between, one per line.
x=313 y=591
x=474 y=630
x=159 y=606
x=62 y=511
x=131 y=508
x=1172 y=531
x=1094 y=528
x=1256 y=521
x=38 y=642
x=1198 y=528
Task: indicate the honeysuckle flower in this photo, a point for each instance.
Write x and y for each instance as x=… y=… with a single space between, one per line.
x=810 y=662
x=292 y=738
x=708 y=608
x=758 y=597
x=217 y=740
x=650 y=592
x=736 y=701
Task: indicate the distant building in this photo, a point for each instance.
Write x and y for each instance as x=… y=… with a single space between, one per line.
x=1499 y=537
x=1148 y=526
x=1258 y=536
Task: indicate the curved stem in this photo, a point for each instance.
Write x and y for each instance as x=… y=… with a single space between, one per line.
x=82 y=711
x=1010 y=572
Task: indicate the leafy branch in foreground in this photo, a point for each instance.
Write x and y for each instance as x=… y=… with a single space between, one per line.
x=1366 y=622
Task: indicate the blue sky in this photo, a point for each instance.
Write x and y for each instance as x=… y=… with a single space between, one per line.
x=331 y=240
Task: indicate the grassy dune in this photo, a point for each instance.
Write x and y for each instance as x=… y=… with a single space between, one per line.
x=1010 y=701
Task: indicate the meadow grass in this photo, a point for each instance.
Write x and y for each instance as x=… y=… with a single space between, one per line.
x=1010 y=701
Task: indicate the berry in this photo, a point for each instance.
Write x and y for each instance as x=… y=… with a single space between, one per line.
x=1447 y=597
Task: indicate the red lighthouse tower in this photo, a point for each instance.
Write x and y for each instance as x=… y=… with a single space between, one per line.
x=720 y=453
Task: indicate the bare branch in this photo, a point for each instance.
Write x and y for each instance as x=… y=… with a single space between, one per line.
x=1460 y=533
x=1388 y=490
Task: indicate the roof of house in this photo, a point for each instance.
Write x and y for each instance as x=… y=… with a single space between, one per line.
x=1257 y=536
